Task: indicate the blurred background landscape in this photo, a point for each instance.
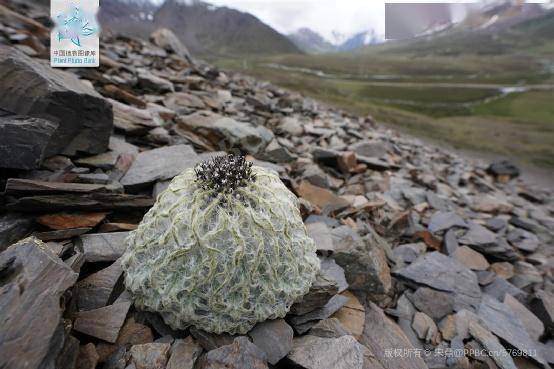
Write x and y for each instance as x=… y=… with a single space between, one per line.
x=480 y=78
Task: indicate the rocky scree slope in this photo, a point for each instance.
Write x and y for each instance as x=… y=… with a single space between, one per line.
x=423 y=254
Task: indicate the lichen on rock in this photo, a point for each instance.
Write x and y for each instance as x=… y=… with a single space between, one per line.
x=224 y=247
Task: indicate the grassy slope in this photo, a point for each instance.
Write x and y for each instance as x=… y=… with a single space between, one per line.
x=519 y=125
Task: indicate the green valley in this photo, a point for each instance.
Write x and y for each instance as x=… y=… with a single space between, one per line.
x=483 y=91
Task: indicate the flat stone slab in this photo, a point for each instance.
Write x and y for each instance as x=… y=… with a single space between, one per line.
x=434 y=303
x=215 y=129
x=477 y=235
x=78 y=202
x=443 y=273
x=14 y=227
x=103 y=246
x=23 y=141
x=302 y=323
x=321 y=291
x=274 y=337
x=329 y=328
x=104 y=323
x=381 y=335
x=491 y=343
x=241 y=354
x=29 y=186
x=159 y=164
x=312 y=352
x=532 y=324
x=29 y=87
x=184 y=354
x=95 y=290
x=502 y=321
x=33 y=281
x=150 y=355
x=442 y=221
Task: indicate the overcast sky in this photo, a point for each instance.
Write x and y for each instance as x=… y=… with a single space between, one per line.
x=323 y=16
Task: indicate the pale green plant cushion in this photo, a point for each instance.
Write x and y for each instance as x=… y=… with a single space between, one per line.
x=220 y=262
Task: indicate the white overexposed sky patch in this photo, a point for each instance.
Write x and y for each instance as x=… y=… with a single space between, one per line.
x=323 y=16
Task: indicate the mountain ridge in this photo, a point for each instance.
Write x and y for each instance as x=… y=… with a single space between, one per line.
x=204 y=28
x=312 y=42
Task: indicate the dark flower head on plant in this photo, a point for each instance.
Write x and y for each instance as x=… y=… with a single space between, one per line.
x=224 y=174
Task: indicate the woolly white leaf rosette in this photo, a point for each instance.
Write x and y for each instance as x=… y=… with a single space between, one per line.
x=221 y=262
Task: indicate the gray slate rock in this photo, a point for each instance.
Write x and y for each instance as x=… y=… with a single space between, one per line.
x=443 y=273
x=274 y=337
x=441 y=221
x=321 y=234
x=322 y=290
x=532 y=324
x=33 y=281
x=149 y=355
x=159 y=164
x=500 y=249
x=104 y=323
x=542 y=306
x=302 y=323
x=184 y=354
x=496 y=224
x=329 y=328
x=167 y=40
x=14 y=227
x=523 y=240
x=407 y=253
x=450 y=241
x=217 y=129
x=503 y=168
x=434 y=303
x=404 y=312
x=334 y=272
x=19 y=186
x=364 y=263
x=94 y=291
x=500 y=287
x=103 y=246
x=477 y=235
x=23 y=141
x=80 y=202
x=276 y=153
x=84 y=118
x=152 y=83
x=241 y=354
x=491 y=343
x=211 y=341
x=501 y=320
x=371 y=149
x=311 y=352
x=424 y=326
x=382 y=334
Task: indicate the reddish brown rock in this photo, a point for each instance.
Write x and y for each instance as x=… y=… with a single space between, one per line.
x=116 y=227
x=71 y=220
x=321 y=197
x=351 y=315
